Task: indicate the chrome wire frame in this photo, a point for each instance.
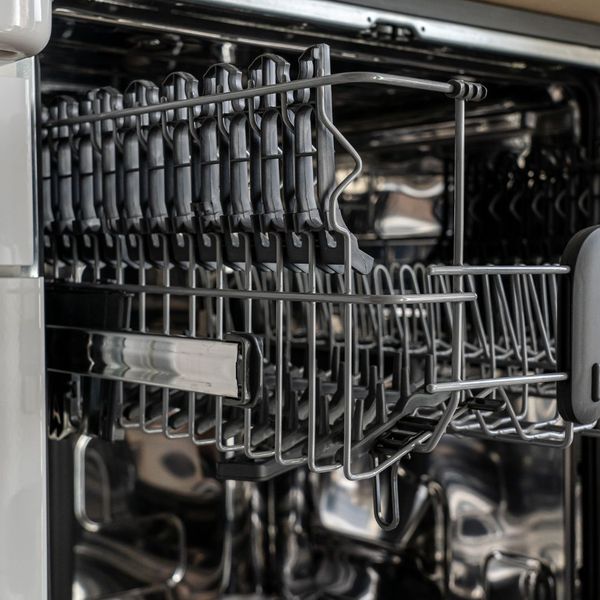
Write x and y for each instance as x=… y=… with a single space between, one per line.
x=477 y=344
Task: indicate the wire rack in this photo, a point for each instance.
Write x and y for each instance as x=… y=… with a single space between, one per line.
x=213 y=206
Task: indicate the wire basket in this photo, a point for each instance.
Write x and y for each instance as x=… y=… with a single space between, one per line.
x=212 y=208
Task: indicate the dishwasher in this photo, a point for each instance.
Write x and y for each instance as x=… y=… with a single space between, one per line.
x=303 y=303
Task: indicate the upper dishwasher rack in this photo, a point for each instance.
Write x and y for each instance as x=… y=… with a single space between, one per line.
x=209 y=210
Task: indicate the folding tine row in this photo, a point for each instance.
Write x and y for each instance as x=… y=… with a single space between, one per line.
x=200 y=219
x=536 y=202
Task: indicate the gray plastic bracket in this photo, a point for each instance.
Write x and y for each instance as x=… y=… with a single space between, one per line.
x=579 y=329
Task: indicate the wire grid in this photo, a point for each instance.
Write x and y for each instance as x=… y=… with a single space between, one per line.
x=359 y=369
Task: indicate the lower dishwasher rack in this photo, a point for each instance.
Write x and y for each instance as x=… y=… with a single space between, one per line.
x=227 y=302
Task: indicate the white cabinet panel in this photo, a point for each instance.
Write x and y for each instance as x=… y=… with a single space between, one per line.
x=23 y=552
x=16 y=173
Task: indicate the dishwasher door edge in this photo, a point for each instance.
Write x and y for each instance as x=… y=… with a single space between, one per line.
x=430 y=30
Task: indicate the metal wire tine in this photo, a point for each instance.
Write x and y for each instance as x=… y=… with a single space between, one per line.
x=192 y=430
x=427 y=312
x=468 y=421
x=502 y=426
x=483 y=346
x=553 y=293
x=414 y=444
x=517 y=291
x=221 y=444
x=382 y=277
x=248 y=428
x=441 y=286
x=407 y=329
x=261 y=283
x=311 y=375
x=488 y=368
x=166 y=392
x=544 y=440
x=506 y=340
x=192 y=331
x=492 y=429
x=491 y=332
x=249 y=452
x=545 y=304
x=533 y=337
x=123 y=421
x=434 y=322
x=141 y=268
x=359 y=321
x=281 y=365
x=370 y=318
x=540 y=317
x=438 y=322
x=512 y=345
x=519 y=313
x=125 y=424
x=391 y=523
x=422 y=275
x=488 y=336
x=287 y=315
x=323 y=285
x=418 y=312
x=522 y=433
x=536 y=354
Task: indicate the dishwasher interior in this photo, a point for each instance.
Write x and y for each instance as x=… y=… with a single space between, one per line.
x=302 y=319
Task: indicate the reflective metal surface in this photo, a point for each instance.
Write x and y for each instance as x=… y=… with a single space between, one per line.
x=502 y=499
x=408 y=209
x=498 y=528
x=517 y=576
x=479 y=520
x=194 y=365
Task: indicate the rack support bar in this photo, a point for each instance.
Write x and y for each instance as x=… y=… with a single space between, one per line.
x=191 y=365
